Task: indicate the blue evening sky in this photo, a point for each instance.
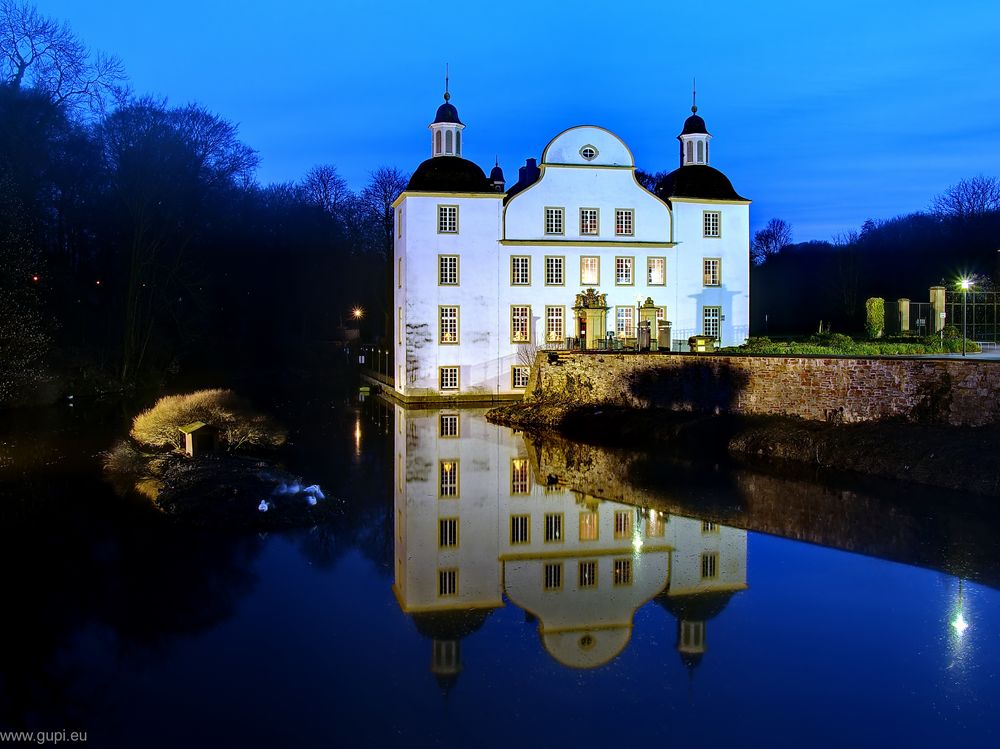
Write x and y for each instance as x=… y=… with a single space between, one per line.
x=824 y=114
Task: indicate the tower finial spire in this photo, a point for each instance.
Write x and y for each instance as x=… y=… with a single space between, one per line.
x=446 y=94
x=694 y=95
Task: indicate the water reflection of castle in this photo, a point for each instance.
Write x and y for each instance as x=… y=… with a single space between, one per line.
x=471 y=524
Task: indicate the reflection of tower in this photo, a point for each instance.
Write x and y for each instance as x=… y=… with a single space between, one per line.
x=446 y=630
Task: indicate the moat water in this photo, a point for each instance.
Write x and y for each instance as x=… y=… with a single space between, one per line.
x=483 y=589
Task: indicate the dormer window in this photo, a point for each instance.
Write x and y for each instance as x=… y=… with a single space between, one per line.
x=589 y=153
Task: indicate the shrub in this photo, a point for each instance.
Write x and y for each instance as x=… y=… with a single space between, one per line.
x=123 y=458
x=950 y=333
x=875 y=316
x=239 y=426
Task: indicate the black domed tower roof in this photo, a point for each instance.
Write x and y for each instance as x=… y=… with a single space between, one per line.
x=496 y=174
x=694 y=125
x=449 y=174
x=696 y=181
x=447 y=112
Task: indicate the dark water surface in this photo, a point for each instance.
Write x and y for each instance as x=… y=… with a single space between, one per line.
x=483 y=589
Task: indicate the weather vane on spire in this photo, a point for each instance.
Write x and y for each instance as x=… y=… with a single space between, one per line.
x=694 y=95
x=446 y=94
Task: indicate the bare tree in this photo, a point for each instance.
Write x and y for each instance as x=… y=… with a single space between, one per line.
x=968 y=198
x=324 y=187
x=44 y=54
x=770 y=240
x=384 y=186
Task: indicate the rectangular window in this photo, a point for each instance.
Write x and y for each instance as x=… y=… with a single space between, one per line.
x=399 y=325
x=555 y=271
x=712 y=271
x=554 y=220
x=553 y=576
x=447 y=479
x=520 y=270
x=519 y=376
x=520 y=529
x=448 y=270
x=713 y=223
x=448 y=425
x=661 y=313
x=711 y=321
x=448 y=324
x=656 y=271
x=623 y=524
x=624 y=222
x=623 y=572
x=520 y=477
x=625 y=322
x=447 y=533
x=709 y=565
x=399 y=222
x=447 y=219
x=693 y=635
x=623 y=271
x=589 y=222
x=588 y=574
x=399 y=274
x=553 y=527
x=590 y=271
x=520 y=322
x=654 y=524
x=447 y=583
x=555 y=319
x=708 y=526
x=589 y=526
x=448 y=377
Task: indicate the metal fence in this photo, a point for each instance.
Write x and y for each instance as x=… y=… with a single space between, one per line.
x=975 y=312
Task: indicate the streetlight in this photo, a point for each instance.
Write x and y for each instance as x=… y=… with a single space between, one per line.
x=357 y=313
x=965 y=283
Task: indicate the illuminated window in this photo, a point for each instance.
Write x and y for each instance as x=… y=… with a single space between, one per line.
x=624 y=222
x=448 y=478
x=589 y=223
x=554 y=220
x=519 y=376
x=654 y=524
x=447 y=533
x=710 y=565
x=710 y=320
x=623 y=524
x=713 y=223
x=589 y=526
x=623 y=572
x=520 y=529
x=625 y=322
x=554 y=271
x=656 y=271
x=553 y=527
x=448 y=425
x=447 y=219
x=448 y=270
x=590 y=271
x=447 y=583
x=708 y=526
x=553 y=576
x=448 y=324
x=623 y=271
x=712 y=271
x=520 y=319
x=520 y=477
x=448 y=377
x=554 y=324
x=588 y=574
x=520 y=270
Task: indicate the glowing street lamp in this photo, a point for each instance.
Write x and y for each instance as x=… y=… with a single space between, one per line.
x=357 y=313
x=965 y=284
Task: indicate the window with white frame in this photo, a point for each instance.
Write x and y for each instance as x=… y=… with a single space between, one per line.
x=553 y=576
x=587 y=574
x=447 y=219
x=520 y=477
x=590 y=271
x=447 y=583
x=448 y=478
x=624 y=222
x=448 y=270
x=520 y=270
x=520 y=322
x=448 y=377
x=712 y=321
x=447 y=533
x=520 y=529
x=448 y=324
x=555 y=319
x=589 y=221
x=625 y=322
x=553 y=527
x=555 y=271
x=713 y=223
x=712 y=271
x=623 y=271
x=622 y=572
x=710 y=565
x=554 y=220
x=448 y=425
x=656 y=271
x=519 y=376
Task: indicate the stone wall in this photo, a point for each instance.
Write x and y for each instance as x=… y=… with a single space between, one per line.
x=959 y=392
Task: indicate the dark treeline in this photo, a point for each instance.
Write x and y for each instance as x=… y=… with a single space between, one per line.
x=135 y=241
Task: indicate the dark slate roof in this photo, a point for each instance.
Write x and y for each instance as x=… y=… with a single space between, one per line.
x=449 y=174
x=695 y=607
x=496 y=174
x=527 y=175
x=447 y=113
x=696 y=181
x=694 y=125
x=450 y=624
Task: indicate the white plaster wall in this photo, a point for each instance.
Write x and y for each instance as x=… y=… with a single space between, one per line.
x=565 y=147
x=689 y=542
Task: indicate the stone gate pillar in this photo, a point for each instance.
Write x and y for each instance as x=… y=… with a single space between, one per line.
x=591 y=315
x=904 y=314
x=937 y=308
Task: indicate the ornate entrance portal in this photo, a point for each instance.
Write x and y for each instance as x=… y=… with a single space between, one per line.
x=591 y=314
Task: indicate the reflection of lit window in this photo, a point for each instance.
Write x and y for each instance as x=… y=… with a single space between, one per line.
x=447 y=583
x=519 y=476
x=588 y=574
x=553 y=526
x=709 y=527
x=520 y=529
x=448 y=472
x=553 y=576
x=710 y=565
x=588 y=526
x=655 y=524
x=448 y=425
x=447 y=533
x=623 y=572
x=623 y=524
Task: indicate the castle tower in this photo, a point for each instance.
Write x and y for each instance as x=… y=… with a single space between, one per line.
x=446 y=130
x=694 y=138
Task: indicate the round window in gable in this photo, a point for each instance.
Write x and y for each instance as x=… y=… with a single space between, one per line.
x=589 y=153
